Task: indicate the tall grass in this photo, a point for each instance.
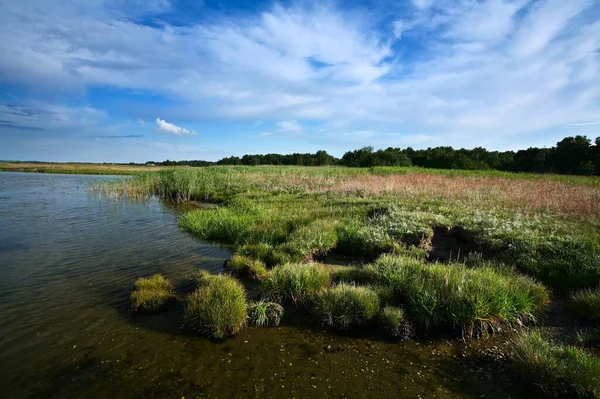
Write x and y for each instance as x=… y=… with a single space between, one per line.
x=298 y=283
x=218 y=308
x=345 y=305
x=476 y=300
x=560 y=370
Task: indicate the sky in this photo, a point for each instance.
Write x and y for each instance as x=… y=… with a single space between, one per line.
x=149 y=80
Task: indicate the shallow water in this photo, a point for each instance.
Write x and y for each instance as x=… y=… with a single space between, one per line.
x=68 y=259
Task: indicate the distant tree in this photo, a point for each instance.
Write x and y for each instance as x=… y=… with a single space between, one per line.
x=571 y=153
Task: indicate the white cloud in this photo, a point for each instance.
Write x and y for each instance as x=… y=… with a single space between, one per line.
x=484 y=69
x=166 y=127
x=585 y=124
x=289 y=126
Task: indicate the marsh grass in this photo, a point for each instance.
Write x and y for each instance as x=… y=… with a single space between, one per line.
x=218 y=308
x=298 y=283
x=344 y=306
x=559 y=369
x=476 y=300
x=265 y=314
x=585 y=304
x=394 y=323
x=151 y=294
x=243 y=266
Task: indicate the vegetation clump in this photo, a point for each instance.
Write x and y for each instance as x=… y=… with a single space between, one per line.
x=345 y=305
x=298 y=283
x=243 y=266
x=476 y=300
x=586 y=305
x=265 y=314
x=218 y=308
x=394 y=323
x=151 y=294
x=560 y=370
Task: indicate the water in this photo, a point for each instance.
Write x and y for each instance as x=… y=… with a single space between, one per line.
x=68 y=259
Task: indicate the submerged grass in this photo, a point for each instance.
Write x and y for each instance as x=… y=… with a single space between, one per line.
x=559 y=370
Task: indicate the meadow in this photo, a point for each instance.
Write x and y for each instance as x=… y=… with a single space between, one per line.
x=404 y=251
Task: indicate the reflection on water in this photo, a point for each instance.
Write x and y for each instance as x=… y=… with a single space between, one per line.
x=67 y=263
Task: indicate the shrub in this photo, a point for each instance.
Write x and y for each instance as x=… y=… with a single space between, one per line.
x=559 y=369
x=345 y=305
x=394 y=324
x=586 y=305
x=264 y=314
x=297 y=282
x=243 y=266
x=218 y=308
x=151 y=294
x=475 y=299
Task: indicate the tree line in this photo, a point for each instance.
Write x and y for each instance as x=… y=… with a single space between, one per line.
x=573 y=155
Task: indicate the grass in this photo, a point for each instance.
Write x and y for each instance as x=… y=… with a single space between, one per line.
x=265 y=314
x=476 y=300
x=560 y=370
x=76 y=168
x=298 y=283
x=344 y=306
x=243 y=266
x=151 y=294
x=217 y=308
x=585 y=305
x=394 y=323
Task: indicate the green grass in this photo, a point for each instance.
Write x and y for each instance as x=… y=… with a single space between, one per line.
x=243 y=266
x=475 y=299
x=585 y=305
x=265 y=314
x=298 y=283
x=218 y=308
x=344 y=306
x=560 y=370
x=548 y=226
x=394 y=323
x=151 y=294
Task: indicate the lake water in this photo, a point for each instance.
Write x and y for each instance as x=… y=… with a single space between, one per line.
x=68 y=260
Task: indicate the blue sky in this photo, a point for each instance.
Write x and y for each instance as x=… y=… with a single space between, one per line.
x=121 y=81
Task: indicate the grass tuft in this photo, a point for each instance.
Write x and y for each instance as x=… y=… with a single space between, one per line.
x=243 y=266
x=476 y=300
x=394 y=323
x=560 y=370
x=296 y=282
x=586 y=305
x=265 y=314
x=151 y=294
x=218 y=308
x=344 y=306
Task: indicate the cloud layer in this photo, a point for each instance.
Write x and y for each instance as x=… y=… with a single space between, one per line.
x=459 y=72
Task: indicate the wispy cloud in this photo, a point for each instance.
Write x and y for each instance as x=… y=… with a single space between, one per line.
x=289 y=126
x=464 y=72
x=585 y=124
x=166 y=127
x=125 y=136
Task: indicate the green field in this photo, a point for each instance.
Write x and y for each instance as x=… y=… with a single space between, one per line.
x=451 y=252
